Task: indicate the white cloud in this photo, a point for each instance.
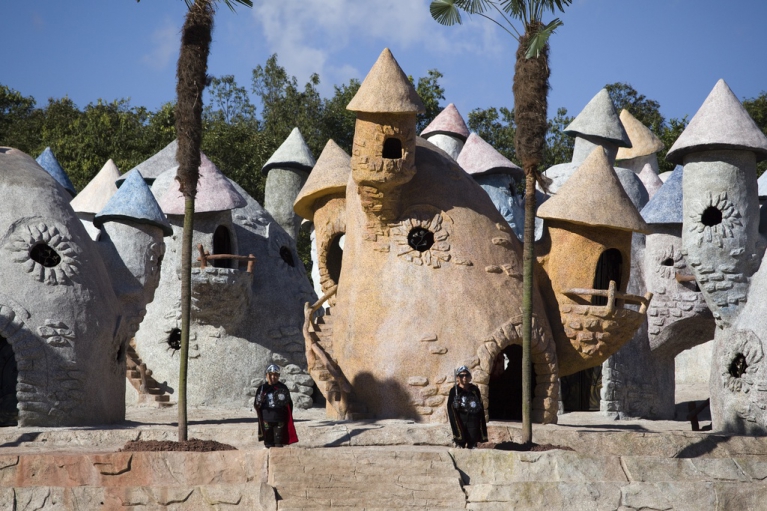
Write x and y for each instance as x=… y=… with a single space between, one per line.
x=311 y=36
x=165 y=41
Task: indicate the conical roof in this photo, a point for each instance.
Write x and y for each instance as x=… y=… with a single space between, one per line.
x=650 y=179
x=594 y=196
x=448 y=122
x=599 y=119
x=155 y=165
x=51 y=165
x=478 y=157
x=666 y=205
x=214 y=193
x=643 y=141
x=386 y=89
x=97 y=193
x=720 y=123
x=330 y=175
x=133 y=202
x=292 y=154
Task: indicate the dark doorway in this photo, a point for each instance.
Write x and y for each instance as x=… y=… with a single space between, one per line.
x=581 y=392
x=506 y=385
x=334 y=258
x=392 y=149
x=609 y=267
x=222 y=244
x=9 y=375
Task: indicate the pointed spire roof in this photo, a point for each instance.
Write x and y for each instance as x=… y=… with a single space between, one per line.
x=48 y=161
x=386 y=89
x=478 y=158
x=643 y=141
x=666 y=205
x=650 y=180
x=214 y=192
x=594 y=196
x=133 y=202
x=292 y=154
x=599 y=119
x=97 y=193
x=448 y=122
x=330 y=175
x=155 y=165
x=720 y=123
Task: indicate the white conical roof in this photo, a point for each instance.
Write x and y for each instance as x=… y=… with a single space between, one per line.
x=292 y=154
x=599 y=119
x=97 y=193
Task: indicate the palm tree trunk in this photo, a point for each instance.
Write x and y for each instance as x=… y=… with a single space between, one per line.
x=191 y=74
x=527 y=305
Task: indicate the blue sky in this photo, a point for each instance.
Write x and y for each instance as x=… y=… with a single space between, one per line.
x=672 y=51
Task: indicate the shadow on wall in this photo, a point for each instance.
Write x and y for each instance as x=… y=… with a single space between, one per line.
x=385 y=399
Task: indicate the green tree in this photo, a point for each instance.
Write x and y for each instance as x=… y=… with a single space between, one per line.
x=431 y=93
x=19 y=120
x=646 y=111
x=497 y=128
x=757 y=109
x=531 y=88
x=559 y=146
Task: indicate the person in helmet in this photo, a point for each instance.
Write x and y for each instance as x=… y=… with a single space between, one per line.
x=465 y=411
x=275 y=411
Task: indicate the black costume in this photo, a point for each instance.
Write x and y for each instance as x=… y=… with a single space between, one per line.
x=467 y=416
x=274 y=408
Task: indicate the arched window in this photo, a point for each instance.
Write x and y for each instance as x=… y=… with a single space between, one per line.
x=392 y=149
x=609 y=267
x=222 y=244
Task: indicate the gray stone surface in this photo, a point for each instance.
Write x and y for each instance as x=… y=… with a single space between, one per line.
x=292 y=154
x=599 y=119
x=241 y=322
x=155 y=165
x=666 y=206
x=452 y=145
x=633 y=186
x=68 y=318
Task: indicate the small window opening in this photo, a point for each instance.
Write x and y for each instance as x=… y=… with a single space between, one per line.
x=9 y=375
x=711 y=216
x=392 y=149
x=609 y=267
x=45 y=255
x=335 y=258
x=667 y=262
x=738 y=366
x=174 y=339
x=222 y=244
x=420 y=239
x=287 y=255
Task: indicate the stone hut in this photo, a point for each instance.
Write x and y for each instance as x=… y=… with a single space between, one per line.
x=286 y=172
x=245 y=315
x=719 y=150
x=322 y=201
x=95 y=196
x=587 y=259
x=448 y=131
x=69 y=304
x=47 y=160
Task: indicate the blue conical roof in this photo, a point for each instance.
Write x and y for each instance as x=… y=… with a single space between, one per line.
x=51 y=165
x=665 y=207
x=133 y=202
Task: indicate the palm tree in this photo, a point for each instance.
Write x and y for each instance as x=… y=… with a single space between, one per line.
x=191 y=73
x=531 y=87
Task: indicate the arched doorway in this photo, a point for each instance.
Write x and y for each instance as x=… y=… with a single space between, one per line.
x=9 y=375
x=222 y=244
x=334 y=258
x=505 y=394
x=582 y=391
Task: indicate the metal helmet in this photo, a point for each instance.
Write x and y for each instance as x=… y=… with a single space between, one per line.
x=462 y=369
x=273 y=368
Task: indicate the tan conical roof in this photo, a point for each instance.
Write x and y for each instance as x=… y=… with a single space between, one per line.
x=386 y=89
x=720 y=123
x=330 y=175
x=97 y=193
x=643 y=141
x=594 y=196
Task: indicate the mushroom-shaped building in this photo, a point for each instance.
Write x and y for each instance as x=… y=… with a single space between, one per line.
x=95 y=196
x=644 y=145
x=322 y=201
x=286 y=172
x=248 y=292
x=47 y=160
x=447 y=131
x=69 y=305
x=719 y=150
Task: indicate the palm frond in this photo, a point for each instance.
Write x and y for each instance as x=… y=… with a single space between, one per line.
x=474 y=6
x=539 y=40
x=532 y=10
x=229 y=3
x=445 y=12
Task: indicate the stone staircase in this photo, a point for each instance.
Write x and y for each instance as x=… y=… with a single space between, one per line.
x=149 y=392
x=365 y=479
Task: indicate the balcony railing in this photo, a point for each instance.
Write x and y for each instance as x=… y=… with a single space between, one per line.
x=612 y=295
x=205 y=257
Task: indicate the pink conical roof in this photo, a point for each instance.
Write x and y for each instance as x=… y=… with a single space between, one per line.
x=214 y=193
x=478 y=157
x=720 y=123
x=650 y=180
x=448 y=122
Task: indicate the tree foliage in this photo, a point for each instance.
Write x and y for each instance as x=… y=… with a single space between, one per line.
x=757 y=109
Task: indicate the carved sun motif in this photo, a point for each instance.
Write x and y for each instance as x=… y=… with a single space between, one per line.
x=422 y=240
x=714 y=219
x=46 y=252
x=669 y=261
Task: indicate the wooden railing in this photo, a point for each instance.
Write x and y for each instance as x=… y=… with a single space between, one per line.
x=611 y=294
x=205 y=257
